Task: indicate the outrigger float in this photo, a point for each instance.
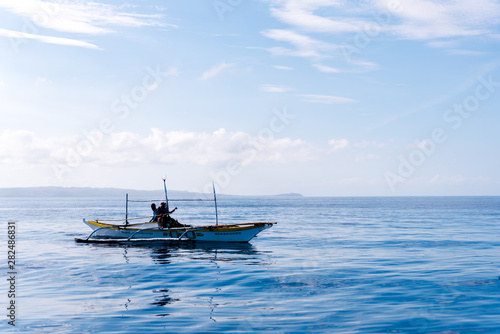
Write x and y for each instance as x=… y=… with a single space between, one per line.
x=150 y=232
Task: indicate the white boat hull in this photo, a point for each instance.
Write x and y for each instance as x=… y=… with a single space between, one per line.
x=150 y=231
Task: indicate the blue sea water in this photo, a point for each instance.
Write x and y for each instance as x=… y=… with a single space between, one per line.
x=330 y=265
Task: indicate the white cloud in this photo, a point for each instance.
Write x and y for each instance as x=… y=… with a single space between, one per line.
x=216 y=70
x=47 y=39
x=453 y=48
x=367 y=157
x=432 y=20
x=284 y=68
x=274 y=88
x=305 y=46
x=41 y=81
x=442 y=44
x=301 y=14
x=328 y=99
x=364 y=145
x=125 y=148
x=448 y=180
x=326 y=69
x=461 y=52
x=371 y=144
x=24 y=147
x=218 y=147
x=338 y=144
x=78 y=17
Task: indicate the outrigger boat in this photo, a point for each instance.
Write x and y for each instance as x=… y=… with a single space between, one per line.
x=141 y=232
x=150 y=232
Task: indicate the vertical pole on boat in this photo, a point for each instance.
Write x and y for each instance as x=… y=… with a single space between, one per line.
x=126 y=209
x=215 y=200
x=165 y=187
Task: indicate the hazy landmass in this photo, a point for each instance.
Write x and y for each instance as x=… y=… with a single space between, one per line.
x=290 y=195
x=106 y=192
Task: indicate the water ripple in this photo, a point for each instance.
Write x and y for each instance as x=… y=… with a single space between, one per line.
x=331 y=265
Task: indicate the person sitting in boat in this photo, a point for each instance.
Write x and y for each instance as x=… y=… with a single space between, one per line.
x=155 y=217
x=162 y=210
x=164 y=219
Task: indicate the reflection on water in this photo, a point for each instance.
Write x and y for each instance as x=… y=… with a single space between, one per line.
x=164 y=299
x=179 y=271
x=161 y=252
x=362 y=265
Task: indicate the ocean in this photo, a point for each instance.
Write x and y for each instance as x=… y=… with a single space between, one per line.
x=330 y=265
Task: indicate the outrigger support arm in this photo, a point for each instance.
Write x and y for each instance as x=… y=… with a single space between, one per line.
x=97 y=229
x=142 y=229
x=190 y=230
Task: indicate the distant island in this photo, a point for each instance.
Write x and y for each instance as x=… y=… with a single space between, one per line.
x=290 y=195
x=106 y=192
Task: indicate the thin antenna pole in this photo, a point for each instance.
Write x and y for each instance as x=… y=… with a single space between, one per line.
x=165 y=187
x=126 y=209
x=215 y=200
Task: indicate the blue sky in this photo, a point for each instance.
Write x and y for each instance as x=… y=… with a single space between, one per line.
x=321 y=97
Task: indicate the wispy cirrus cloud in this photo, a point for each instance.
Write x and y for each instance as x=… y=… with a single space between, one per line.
x=326 y=69
x=274 y=88
x=283 y=68
x=83 y=17
x=412 y=19
x=303 y=46
x=216 y=70
x=432 y=19
x=303 y=15
x=74 y=17
x=328 y=99
x=321 y=28
x=462 y=52
x=47 y=39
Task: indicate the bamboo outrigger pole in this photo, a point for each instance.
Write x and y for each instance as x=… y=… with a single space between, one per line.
x=165 y=187
x=126 y=209
x=215 y=200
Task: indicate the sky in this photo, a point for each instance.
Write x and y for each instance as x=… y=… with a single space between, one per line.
x=261 y=97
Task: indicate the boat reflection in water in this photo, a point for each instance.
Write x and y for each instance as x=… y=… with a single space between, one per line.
x=182 y=275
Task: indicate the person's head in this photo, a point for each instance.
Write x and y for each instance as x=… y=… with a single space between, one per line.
x=162 y=204
x=153 y=207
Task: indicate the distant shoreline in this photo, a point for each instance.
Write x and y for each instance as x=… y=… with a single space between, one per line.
x=47 y=192
x=110 y=192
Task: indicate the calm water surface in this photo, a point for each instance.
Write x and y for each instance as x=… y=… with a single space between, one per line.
x=331 y=265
